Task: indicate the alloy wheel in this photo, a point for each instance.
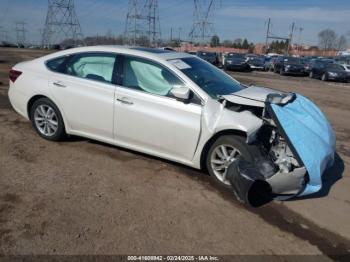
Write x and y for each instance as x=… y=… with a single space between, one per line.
x=221 y=158
x=46 y=120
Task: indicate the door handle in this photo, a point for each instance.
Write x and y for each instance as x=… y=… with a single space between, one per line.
x=124 y=100
x=59 y=84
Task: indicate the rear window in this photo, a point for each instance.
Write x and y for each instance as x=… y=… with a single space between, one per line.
x=56 y=64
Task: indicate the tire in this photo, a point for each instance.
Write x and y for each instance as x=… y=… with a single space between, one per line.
x=311 y=74
x=249 y=153
x=324 y=77
x=50 y=126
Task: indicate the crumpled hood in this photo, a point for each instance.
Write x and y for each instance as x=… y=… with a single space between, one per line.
x=252 y=96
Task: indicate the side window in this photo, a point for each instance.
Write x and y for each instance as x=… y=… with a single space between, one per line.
x=94 y=66
x=56 y=64
x=147 y=76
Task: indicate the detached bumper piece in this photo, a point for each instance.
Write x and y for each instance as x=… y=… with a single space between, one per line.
x=249 y=181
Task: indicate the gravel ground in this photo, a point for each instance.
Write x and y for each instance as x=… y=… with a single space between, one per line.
x=85 y=197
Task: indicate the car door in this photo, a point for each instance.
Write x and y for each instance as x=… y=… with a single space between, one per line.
x=84 y=90
x=148 y=119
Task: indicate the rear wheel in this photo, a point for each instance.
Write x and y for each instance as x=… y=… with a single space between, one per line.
x=223 y=152
x=47 y=120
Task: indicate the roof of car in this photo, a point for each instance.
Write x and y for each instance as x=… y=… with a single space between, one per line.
x=154 y=53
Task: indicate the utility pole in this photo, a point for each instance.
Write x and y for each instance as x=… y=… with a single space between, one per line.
x=202 y=29
x=267 y=34
x=20 y=33
x=180 y=30
x=290 y=38
x=299 y=40
x=61 y=23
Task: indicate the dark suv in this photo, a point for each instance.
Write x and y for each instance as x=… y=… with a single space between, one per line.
x=287 y=65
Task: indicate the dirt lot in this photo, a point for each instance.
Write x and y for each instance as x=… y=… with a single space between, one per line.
x=84 y=197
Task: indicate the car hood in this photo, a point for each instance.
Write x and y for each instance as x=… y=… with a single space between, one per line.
x=254 y=96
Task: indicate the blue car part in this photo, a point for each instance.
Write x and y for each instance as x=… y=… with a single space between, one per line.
x=309 y=135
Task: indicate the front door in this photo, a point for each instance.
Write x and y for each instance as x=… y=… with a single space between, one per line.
x=148 y=119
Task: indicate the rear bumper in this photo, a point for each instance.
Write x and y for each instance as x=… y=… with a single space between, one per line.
x=18 y=100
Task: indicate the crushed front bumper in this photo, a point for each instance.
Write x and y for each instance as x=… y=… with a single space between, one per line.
x=310 y=138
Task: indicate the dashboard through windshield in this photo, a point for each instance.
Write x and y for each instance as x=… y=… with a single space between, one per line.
x=212 y=80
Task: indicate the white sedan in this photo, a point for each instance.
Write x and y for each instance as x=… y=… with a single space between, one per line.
x=171 y=105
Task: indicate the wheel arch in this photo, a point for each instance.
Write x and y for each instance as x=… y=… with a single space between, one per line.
x=32 y=101
x=208 y=144
x=34 y=98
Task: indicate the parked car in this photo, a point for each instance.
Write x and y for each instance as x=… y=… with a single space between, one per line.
x=287 y=65
x=236 y=62
x=210 y=57
x=270 y=64
x=346 y=67
x=344 y=60
x=310 y=64
x=250 y=56
x=192 y=52
x=256 y=63
x=171 y=105
x=326 y=72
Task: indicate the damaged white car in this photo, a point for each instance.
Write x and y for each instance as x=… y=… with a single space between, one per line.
x=178 y=107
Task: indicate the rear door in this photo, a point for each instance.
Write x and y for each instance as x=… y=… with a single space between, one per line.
x=148 y=119
x=84 y=89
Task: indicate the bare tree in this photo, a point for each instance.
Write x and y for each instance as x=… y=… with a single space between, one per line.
x=327 y=39
x=342 y=43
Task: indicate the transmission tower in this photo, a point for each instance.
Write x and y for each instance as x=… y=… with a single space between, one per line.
x=142 y=25
x=61 y=23
x=3 y=35
x=202 y=29
x=20 y=33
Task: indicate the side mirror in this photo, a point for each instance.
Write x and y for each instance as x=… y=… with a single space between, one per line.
x=181 y=93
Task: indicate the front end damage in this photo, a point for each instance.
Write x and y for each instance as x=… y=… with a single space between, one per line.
x=297 y=143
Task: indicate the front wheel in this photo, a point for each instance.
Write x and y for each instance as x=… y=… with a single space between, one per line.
x=223 y=152
x=324 y=77
x=47 y=120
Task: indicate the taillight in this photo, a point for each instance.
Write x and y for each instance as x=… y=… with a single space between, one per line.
x=14 y=74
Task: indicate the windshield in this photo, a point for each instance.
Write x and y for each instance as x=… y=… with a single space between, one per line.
x=292 y=60
x=335 y=67
x=211 y=79
x=256 y=60
x=235 y=55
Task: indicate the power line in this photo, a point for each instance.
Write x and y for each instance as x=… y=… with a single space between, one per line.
x=61 y=23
